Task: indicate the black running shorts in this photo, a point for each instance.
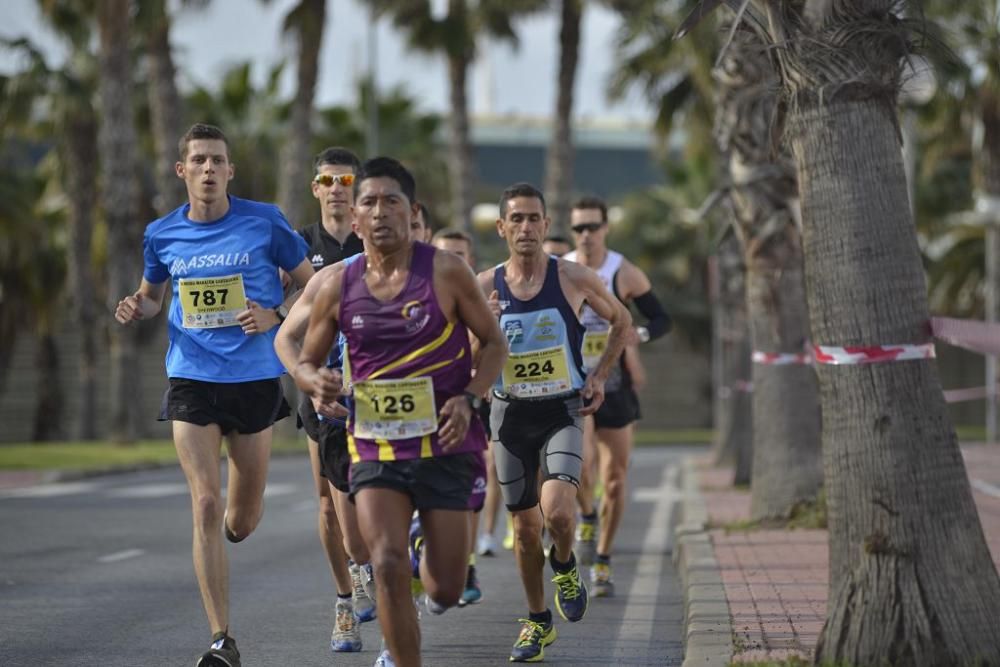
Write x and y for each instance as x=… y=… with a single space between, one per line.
x=240 y=407
x=619 y=409
x=434 y=483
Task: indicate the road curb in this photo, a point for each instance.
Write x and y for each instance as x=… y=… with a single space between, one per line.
x=708 y=629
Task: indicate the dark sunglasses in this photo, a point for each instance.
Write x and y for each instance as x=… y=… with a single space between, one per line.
x=327 y=180
x=587 y=227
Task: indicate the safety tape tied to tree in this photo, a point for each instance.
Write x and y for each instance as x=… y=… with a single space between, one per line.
x=781 y=358
x=833 y=355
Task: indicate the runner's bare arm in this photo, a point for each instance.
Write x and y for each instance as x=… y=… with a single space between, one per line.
x=288 y=342
x=144 y=304
x=474 y=311
x=311 y=374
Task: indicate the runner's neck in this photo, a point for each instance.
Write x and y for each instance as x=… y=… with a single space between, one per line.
x=530 y=270
x=207 y=211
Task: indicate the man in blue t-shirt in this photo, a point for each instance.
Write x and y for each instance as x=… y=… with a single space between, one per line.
x=221 y=256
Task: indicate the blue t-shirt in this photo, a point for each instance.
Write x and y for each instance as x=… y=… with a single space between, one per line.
x=250 y=243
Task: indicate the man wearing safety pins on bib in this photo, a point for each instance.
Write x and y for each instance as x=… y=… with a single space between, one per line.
x=539 y=401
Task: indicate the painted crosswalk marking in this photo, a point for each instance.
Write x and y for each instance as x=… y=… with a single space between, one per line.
x=121 y=555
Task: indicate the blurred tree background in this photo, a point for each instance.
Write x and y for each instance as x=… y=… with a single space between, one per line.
x=57 y=235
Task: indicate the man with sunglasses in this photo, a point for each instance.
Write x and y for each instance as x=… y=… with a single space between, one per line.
x=539 y=401
x=221 y=255
x=330 y=241
x=608 y=436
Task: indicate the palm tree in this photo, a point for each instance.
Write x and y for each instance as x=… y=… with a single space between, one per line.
x=119 y=198
x=559 y=160
x=787 y=463
x=66 y=95
x=455 y=36
x=305 y=21
x=166 y=109
x=911 y=577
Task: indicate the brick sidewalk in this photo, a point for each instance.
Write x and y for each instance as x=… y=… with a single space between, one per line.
x=775 y=581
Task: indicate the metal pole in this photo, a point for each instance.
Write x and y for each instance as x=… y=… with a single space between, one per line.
x=371 y=128
x=992 y=257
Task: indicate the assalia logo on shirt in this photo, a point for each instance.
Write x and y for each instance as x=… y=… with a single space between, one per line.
x=182 y=266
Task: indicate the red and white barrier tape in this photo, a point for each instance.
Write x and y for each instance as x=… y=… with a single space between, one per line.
x=780 y=358
x=854 y=355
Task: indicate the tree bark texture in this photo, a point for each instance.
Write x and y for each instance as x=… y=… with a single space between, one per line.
x=559 y=160
x=48 y=406
x=460 y=147
x=734 y=436
x=293 y=179
x=911 y=579
x=117 y=143
x=80 y=149
x=165 y=111
x=787 y=462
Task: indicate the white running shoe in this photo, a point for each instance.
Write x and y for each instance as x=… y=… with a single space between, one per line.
x=487 y=545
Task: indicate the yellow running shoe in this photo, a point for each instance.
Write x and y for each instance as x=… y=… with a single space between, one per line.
x=531 y=643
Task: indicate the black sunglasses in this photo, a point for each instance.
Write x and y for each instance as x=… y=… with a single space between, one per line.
x=587 y=227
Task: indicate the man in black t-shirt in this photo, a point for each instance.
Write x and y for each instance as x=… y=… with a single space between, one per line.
x=330 y=241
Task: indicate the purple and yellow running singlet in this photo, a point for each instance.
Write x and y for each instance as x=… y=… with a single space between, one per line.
x=407 y=359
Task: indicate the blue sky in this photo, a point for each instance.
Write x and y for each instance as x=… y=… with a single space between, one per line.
x=505 y=80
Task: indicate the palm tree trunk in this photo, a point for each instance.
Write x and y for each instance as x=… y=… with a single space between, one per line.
x=787 y=460
x=80 y=150
x=293 y=180
x=460 y=147
x=49 y=402
x=559 y=163
x=911 y=579
x=117 y=143
x=165 y=110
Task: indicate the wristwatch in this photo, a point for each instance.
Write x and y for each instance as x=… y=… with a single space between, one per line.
x=282 y=312
x=643 y=334
x=475 y=402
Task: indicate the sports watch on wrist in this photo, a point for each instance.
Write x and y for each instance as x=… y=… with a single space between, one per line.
x=282 y=312
x=475 y=402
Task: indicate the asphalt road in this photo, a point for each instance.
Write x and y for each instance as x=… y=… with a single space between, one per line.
x=98 y=572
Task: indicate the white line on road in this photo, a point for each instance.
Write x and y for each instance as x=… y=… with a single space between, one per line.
x=49 y=490
x=149 y=491
x=637 y=621
x=986 y=487
x=120 y=556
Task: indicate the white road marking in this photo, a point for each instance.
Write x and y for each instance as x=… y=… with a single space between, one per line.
x=121 y=555
x=637 y=621
x=986 y=487
x=149 y=491
x=273 y=490
x=50 y=490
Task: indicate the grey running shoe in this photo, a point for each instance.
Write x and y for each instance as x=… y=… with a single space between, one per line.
x=601 y=583
x=222 y=652
x=346 y=637
x=384 y=659
x=363 y=596
x=586 y=542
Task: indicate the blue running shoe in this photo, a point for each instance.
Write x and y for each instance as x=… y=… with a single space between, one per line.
x=416 y=546
x=472 y=593
x=571 y=594
x=346 y=637
x=364 y=604
x=531 y=643
x=384 y=659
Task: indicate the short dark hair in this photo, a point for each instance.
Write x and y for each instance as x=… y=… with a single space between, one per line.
x=200 y=131
x=425 y=212
x=555 y=238
x=520 y=190
x=335 y=155
x=387 y=167
x=584 y=203
x=453 y=234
